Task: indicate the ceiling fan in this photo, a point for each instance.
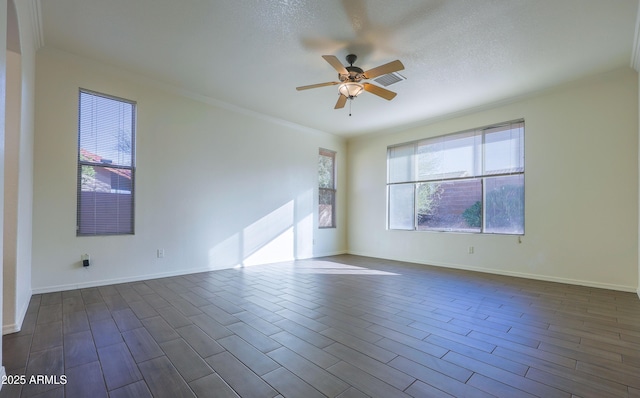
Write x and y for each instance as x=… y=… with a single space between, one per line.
x=351 y=79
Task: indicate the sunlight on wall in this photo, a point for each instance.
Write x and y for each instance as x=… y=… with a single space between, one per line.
x=274 y=250
x=304 y=237
x=270 y=239
x=304 y=227
x=285 y=234
x=226 y=253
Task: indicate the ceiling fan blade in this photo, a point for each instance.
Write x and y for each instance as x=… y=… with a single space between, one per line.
x=357 y=13
x=342 y=100
x=379 y=91
x=316 y=85
x=335 y=62
x=393 y=66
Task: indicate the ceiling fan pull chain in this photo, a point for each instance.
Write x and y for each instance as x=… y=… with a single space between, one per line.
x=350 y=101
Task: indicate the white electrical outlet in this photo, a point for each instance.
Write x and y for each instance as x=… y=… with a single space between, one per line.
x=160 y=253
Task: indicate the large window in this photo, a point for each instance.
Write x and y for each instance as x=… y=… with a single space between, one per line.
x=472 y=181
x=106 y=138
x=327 y=189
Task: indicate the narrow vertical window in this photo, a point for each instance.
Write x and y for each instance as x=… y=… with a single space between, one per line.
x=105 y=190
x=327 y=189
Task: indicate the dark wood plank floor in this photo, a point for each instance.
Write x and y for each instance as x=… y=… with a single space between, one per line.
x=342 y=326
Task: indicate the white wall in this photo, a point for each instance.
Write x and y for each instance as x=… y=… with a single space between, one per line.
x=11 y=178
x=19 y=173
x=581 y=190
x=3 y=69
x=215 y=187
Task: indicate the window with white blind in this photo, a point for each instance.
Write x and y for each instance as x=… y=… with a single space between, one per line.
x=327 y=189
x=472 y=181
x=106 y=167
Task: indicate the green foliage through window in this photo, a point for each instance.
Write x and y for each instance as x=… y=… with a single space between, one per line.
x=473 y=215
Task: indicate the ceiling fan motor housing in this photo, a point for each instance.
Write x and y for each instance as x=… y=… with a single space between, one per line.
x=355 y=74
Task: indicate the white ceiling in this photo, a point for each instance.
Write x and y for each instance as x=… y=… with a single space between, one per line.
x=458 y=54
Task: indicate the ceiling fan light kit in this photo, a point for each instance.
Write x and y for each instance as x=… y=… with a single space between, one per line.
x=350 y=89
x=350 y=78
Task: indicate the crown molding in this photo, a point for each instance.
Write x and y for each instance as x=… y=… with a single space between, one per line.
x=175 y=90
x=635 y=53
x=36 y=23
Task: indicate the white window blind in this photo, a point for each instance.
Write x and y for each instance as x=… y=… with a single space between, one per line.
x=472 y=181
x=326 y=189
x=106 y=167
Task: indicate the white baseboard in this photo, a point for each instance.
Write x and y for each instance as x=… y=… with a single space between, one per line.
x=104 y=282
x=327 y=254
x=16 y=327
x=546 y=278
x=12 y=328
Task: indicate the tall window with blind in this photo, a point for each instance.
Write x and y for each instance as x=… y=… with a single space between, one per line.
x=327 y=189
x=472 y=181
x=106 y=173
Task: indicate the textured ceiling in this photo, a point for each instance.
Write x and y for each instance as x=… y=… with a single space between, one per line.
x=458 y=54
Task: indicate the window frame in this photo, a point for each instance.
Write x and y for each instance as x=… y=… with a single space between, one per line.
x=479 y=172
x=331 y=191
x=83 y=162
